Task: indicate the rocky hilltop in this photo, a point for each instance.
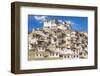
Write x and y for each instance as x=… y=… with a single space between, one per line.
x=57 y=40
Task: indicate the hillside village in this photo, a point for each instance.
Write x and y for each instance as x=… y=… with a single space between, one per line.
x=57 y=40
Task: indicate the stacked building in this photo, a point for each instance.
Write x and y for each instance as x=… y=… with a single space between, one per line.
x=57 y=40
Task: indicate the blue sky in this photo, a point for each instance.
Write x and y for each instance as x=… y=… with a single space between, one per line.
x=78 y=23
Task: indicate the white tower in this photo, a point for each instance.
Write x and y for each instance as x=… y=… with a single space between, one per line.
x=50 y=23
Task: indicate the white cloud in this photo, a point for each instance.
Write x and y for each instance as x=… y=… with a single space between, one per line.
x=69 y=22
x=60 y=21
x=40 y=18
